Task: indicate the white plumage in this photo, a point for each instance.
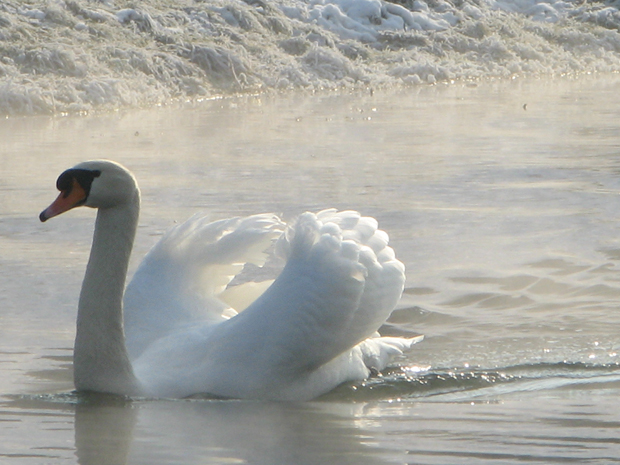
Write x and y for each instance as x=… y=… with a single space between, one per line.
x=188 y=331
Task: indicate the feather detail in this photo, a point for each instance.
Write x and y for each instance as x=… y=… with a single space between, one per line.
x=181 y=280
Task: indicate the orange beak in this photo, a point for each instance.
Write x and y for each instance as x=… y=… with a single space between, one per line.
x=66 y=200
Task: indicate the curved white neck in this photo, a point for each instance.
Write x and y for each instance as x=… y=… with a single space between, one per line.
x=100 y=357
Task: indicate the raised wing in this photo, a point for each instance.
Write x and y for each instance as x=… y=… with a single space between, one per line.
x=340 y=283
x=181 y=280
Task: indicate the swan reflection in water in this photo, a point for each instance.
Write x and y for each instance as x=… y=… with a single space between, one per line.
x=113 y=430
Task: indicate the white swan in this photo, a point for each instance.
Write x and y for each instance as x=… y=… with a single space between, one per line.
x=311 y=330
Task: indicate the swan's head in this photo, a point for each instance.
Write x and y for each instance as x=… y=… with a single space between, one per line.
x=96 y=184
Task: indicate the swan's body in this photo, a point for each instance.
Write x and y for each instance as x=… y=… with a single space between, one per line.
x=311 y=330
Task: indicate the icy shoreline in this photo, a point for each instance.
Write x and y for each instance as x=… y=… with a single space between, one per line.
x=77 y=56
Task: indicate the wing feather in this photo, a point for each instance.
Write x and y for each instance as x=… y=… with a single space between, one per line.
x=331 y=295
x=180 y=280
x=314 y=328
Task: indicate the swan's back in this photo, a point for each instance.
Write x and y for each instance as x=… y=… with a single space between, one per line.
x=312 y=329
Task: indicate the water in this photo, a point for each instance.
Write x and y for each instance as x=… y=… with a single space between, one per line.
x=501 y=199
x=483 y=136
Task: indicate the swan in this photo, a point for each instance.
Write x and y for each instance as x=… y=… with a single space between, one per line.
x=181 y=329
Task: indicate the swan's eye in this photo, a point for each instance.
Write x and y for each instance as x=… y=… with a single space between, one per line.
x=84 y=178
x=64 y=183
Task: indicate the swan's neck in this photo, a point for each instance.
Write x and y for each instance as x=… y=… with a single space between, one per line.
x=101 y=362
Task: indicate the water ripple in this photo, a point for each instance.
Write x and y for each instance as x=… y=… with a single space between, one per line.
x=468 y=385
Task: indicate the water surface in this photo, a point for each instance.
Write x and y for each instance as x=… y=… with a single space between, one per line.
x=501 y=200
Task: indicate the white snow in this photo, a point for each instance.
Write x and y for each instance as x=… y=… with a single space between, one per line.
x=79 y=56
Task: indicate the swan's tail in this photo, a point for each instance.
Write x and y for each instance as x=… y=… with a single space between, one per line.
x=378 y=352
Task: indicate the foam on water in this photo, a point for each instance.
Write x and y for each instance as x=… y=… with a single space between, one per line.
x=79 y=55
